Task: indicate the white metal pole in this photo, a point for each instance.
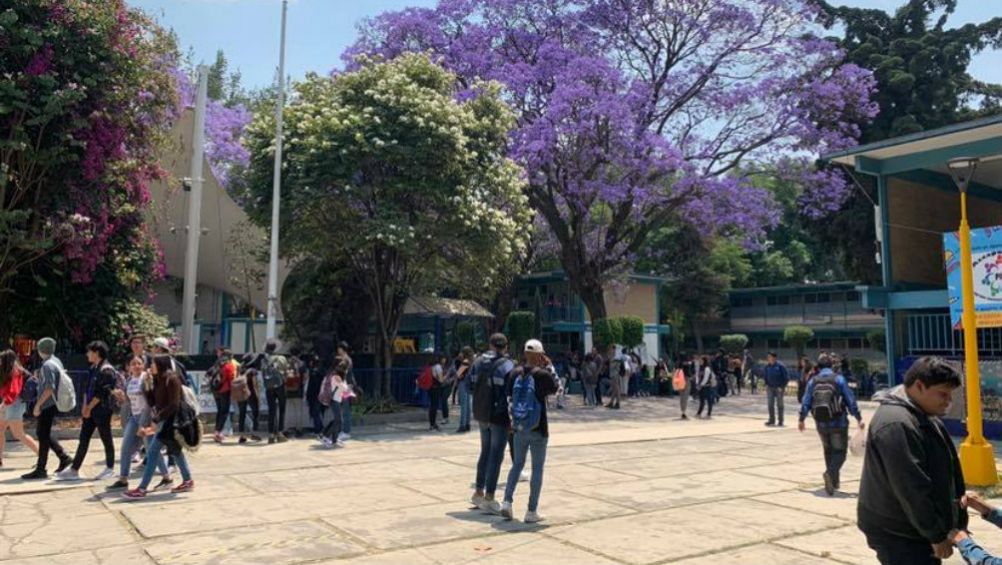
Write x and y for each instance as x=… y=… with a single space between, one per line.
x=276 y=190
x=194 y=216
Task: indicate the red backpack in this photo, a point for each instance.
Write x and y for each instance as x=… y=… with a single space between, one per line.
x=425 y=379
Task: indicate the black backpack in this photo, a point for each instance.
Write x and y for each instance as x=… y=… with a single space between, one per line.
x=484 y=401
x=826 y=399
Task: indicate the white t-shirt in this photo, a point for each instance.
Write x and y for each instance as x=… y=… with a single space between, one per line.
x=137 y=400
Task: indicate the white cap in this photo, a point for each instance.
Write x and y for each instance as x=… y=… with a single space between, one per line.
x=534 y=346
x=162 y=342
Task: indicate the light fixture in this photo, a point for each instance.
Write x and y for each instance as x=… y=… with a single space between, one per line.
x=962 y=170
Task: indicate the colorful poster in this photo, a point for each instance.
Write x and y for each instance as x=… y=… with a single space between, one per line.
x=986 y=254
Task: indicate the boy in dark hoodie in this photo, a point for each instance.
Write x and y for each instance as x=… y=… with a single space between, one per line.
x=912 y=484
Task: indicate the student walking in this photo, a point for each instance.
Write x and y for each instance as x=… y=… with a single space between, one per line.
x=435 y=393
x=828 y=399
x=617 y=373
x=315 y=380
x=490 y=409
x=776 y=379
x=805 y=371
x=527 y=389
x=707 y=386
x=346 y=368
x=45 y=411
x=911 y=489
x=171 y=418
x=252 y=401
x=589 y=379
x=136 y=415
x=12 y=381
x=688 y=368
x=97 y=410
x=332 y=394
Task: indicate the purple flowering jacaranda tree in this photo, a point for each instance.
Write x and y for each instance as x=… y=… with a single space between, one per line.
x=636 y=113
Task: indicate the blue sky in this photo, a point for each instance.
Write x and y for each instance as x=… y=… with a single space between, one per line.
x=319 y=31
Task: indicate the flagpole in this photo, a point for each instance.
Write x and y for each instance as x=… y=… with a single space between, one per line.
x=276 y=188
x=194 y=234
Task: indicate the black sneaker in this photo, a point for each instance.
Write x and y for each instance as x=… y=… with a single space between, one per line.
x=684 y=417
x=243 y=439
x=770 y=424
x=255 y=438
x=64 y=463
x=164 y=482
x=35 y=475
x=281 y=438
x=829 y=484
x=118 y=485
x=271 y=440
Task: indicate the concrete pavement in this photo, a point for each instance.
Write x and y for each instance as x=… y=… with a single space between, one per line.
x=637 y=486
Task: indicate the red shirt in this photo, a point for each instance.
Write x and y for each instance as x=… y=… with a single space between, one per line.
x=228 y=372
x=12 y=388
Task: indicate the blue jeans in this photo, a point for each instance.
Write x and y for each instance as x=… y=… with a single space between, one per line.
x=493 y=438
x=464 y=404
x=524 y=442
x=774 y=395
x=153 y=460
x=346 y=417
x=130 y=443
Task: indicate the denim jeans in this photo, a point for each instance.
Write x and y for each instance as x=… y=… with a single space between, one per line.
x=317 y=411
x=464 y=404
x=524 y=443
x=492 y=441
x=130 y=444
x=334 y=426
x=775 y=398
x=835 y=442
x=346 y=417
x=155 y=460
x=222 y=410
x=589 y=391
x=276 y=409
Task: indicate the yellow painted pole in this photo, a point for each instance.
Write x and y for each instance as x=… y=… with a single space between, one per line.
x=977 y=458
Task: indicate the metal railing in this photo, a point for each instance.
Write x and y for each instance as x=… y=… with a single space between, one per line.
x=932 y=334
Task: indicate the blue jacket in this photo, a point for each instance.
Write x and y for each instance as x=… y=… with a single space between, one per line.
x=973 y=553
x=848 y=400
x=775 y=375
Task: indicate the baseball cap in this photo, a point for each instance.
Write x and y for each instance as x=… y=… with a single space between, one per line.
x=534 y=346
x=162 y=342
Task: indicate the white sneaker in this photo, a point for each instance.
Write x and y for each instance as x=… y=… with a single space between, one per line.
x=339 y=443
x=490 y=506
x=136 y=458
x=326 y=442
x=523 y=476
x=477 y=500
x=532 y=517
x=68 y=474
x=343 y=436
x=105 y=475
x=506 y=510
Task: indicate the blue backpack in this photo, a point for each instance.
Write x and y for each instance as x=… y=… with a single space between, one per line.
x=525 y=407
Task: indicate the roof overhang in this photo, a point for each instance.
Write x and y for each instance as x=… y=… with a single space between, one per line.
x=930 y=151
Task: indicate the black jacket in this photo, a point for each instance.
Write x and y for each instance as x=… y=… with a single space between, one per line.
x=546 y=384
x=912 y=482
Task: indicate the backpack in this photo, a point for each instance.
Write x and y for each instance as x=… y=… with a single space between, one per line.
x=273 y=377
x=29 y=393
x=678 y=381
x=526 y=410
x=215 y=377
x=426 y=379
x=239 y=389
x=66 y=394
x=189 y=398
x=485 y=405
x=826 y=399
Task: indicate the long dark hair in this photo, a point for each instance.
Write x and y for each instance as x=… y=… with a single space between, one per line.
x=166 y=386
x=8 y=364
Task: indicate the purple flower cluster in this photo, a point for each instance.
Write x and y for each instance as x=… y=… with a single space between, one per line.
x=635 y=113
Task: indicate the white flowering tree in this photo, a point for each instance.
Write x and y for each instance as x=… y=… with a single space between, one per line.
x=399 y=171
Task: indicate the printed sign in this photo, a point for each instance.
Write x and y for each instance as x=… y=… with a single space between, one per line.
x=986 y=254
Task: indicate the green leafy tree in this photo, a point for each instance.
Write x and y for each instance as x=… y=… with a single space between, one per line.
x=607 y=332
x=633 y=331
x=521 y=325
x=389 y=173
x=877 y=340
x=245 y=266
x=798 y=337
x=734 y=343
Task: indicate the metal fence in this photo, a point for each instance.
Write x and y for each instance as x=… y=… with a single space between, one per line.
x=933 y=334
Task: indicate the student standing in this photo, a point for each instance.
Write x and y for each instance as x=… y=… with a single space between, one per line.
x=463 y=385
x=707 y=386
x=527 y=389
x=776 y=379
x=97 y=410
x=12 y=379
x=225 y=371
x=912 y=485
x=490 y=409
x=436 y=392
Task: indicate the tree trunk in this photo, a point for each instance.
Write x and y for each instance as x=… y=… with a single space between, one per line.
x=697 y=335
x=384 y=367
x=592 y=294
x=502 y=306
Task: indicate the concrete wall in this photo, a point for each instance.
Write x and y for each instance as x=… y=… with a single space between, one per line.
x=640 y=299
x=917 y=256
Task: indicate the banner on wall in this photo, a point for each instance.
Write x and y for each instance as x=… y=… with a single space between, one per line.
x=986 y=254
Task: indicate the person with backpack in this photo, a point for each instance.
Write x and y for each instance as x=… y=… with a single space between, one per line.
x=618 y=367
x=331 y=395
x=133 y=398
x=465 y=362
x=249 y=399
x=828 y=399
x=490 y=410
x=776 y=379
x=682 y=382
x=435 y=393
x=12 y=383
x=346 y=368
x=171 y=416
x=162 y=346
x=706 y=384
x=589 y=379
x=50 y=379
x=273 y=367
x=314 y=380
x=912 y=486
x=527 y=389
x=221 y=377
x=97 y=410
x=805 y=372
x=748 y=369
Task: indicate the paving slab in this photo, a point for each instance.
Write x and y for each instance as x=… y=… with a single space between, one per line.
x=762 y=553
x=62 y=533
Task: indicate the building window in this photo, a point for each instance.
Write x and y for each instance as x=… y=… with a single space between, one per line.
x=810 y=298
x=852 y=296
x=856 y=343
x=825 y=343
x=775 y=344
x=824 y=297
x=771 y=301
x=741 y=301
